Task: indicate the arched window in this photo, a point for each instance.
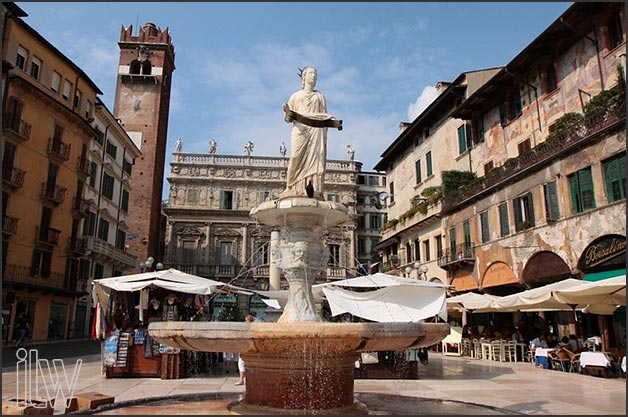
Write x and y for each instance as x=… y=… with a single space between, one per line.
x=146 y=68
x=135 y=67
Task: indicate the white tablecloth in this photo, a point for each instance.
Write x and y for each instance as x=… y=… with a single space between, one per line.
x=543 y=351
x=595 y=359
x=623 y=364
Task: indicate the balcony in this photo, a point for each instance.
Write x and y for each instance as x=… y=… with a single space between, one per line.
x=52 y=193
x=58 y=150
x=82 y=167
x=80 y=208
x=101 y=249
x=14 y=177
x=48 y=237
x=9 y=225
x=540 y=156
x=20 y=129
x=22 y=276
x=77 y=247
x=463 y=254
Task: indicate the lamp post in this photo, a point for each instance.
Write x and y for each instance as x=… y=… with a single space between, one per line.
x=421 y=270
x=147 y=265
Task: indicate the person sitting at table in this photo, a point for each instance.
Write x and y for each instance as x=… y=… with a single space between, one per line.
x=564 y=343
x=551 y=341
x=573 y=342
x=517 y=336
x=538 y=342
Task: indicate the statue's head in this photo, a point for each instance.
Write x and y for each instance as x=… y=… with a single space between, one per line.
x=303 y=73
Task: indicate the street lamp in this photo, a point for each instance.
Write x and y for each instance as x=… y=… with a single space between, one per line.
x=146 y=266
x=421 y=270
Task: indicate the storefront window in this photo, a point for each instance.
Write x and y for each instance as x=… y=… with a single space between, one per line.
x=57 y=321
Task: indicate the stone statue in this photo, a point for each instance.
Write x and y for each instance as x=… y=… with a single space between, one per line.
x=282 y=150
x=248 y=148
x=307 y=110
x=212 y=146
x=177 y=145
x=350 y=152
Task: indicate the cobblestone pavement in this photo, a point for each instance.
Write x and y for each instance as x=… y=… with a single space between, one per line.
x=510 y=387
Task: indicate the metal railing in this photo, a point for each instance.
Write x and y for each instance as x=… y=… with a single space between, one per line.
x=462 y=252
x=539 y=156
x=53 y=193
x=22 y=274
x=18 y=126
x=49 y=236
x=9 y=225
x=13 y=176
x=107 y=250
x=58 y=149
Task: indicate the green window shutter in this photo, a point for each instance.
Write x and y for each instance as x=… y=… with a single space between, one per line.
x=503 y=220
x=462 y=142
x=480 y=130
x=587 y=195
x=516 y=101
x=469 y=136
x=530 y=207
x=484 y=224
x=551 y=201
x=614 y=175
x=428 y=162
x=502 y=114
x=516 y=204
x=575 y=194
x=417 y=169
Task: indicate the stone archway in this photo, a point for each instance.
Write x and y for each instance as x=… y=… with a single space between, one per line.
x=544 y=268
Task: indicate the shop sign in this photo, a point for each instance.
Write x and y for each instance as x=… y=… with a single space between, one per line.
x=602 y=251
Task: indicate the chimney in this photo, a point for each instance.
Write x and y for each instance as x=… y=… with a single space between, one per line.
x=442 y=86
x=403 y=126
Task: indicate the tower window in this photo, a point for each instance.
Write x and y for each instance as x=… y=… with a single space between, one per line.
x=135 y=67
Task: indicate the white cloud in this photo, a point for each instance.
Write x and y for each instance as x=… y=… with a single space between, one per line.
x=428 y=95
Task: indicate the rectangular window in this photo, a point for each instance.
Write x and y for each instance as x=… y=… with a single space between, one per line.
x=392 y=192
x=192 y=195
x=439 y=246
x=124 y=204
x=103 y=229
x=503 y=121
x=226 y=253
x=552 y=212
x=426 y=250
x=120 y=239
x=93 y=170
x=551 y=82
x=361 y=180
x=524 y=147
x=107 y=186
x=89 y=227
x=15 y=114
x=334 y=255
x=78 y=98
x=88 y=109
x=333 y=197
x=362 y=221
x=111 y=149
x=99 y=271
x=452 y=242
x=20 y=59
x=615 y=32
x=615 y=177
x=581 y=187
x=127 y=166
x=55 y=82
x=515 y=103
x=417 y=170
x=83 y=270
x=466 y=230
x=524 y=212
x=35 y=67
x=462 y=140
x=375 y=221
x=428 y=162
x=41 y=264
x=226 y=200
x=100 y=136
x=262 y=253
x=486 y=235
x=373 y=181
x=488 y=167
x=188 y=252
x=67 y=87
x=479 y=130
x=361 y=246
x=504 y=226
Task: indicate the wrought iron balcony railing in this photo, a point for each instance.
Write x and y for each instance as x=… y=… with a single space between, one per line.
x=9 y=225
x=53 y=193
x=12 y=176
x=461 y=253
x=48 y=237
x=19 y=127
x=59 y=150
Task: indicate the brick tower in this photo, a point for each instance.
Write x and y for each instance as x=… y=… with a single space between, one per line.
x=142 y=104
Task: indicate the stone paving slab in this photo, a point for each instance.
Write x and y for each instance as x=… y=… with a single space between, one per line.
x=509 y=387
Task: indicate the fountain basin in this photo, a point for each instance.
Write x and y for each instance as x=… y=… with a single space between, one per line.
x=298 y=368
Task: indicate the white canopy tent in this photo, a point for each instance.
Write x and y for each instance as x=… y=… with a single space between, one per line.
x=611 y=291
x=170 y=279
x=389 y=298
x=473 y=302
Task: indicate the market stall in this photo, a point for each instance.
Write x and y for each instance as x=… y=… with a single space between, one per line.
x=126 y=304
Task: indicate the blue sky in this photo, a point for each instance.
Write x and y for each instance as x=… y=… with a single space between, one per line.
x=237 y=63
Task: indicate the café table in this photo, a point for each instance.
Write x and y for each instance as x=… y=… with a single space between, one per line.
x=540 y=357
x=602 y=359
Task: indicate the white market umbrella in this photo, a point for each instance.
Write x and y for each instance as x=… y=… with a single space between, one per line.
x=611 y=291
